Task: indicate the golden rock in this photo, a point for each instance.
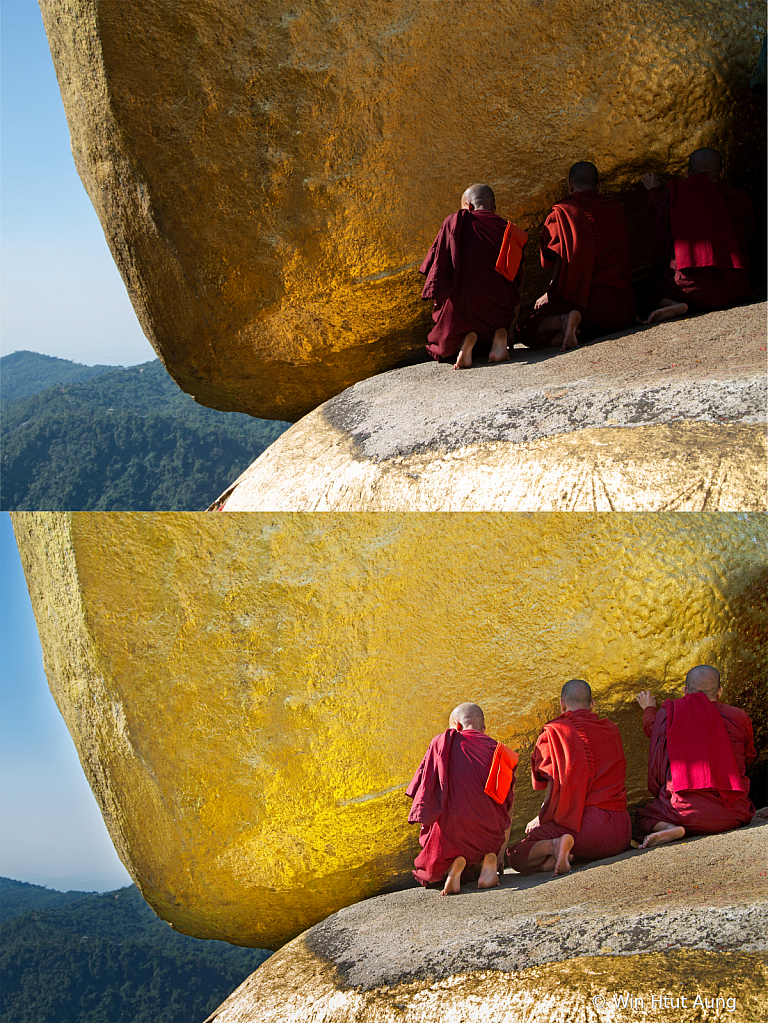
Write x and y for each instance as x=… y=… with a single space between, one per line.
x=250 y=694
x=270 y=175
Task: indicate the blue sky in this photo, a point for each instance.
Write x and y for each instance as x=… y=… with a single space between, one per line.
x=60 y=290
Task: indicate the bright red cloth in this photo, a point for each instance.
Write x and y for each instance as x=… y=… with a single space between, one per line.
x=702 y=230
x=457 y=817
x=583 y=756
x=511 y=252
x=700 y=753
x=468 y=292
x=700 y=811
x=502 y=772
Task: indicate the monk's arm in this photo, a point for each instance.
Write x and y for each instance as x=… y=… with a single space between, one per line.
x=648 y=702
x=536 y=820
x=658 y=760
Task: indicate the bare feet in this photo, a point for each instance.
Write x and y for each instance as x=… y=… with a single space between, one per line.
x=464 y=358
x=661 y=834
x=489 y=876
x=556 y=341
x=570 y=322
x=499 y=351
x=667 y=310
x=452 y=884
x=563 y=857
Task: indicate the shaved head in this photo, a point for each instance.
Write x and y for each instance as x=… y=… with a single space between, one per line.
x=468 y=715
x=576 y=694
x=703 y=679
x=481 y=197
x=583 y=176
x=706 y=161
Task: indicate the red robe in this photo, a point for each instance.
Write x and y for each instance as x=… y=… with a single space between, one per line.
x=468 y=292
x=583 y=756
x=699 y=245
x=706 y=810
x=588 y=232
x=457 y=816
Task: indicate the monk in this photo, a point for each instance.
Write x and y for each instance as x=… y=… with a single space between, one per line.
x=699 y=751
x=585 y=239
x=462 y=796
x=473 y=300
x=699 y=242
x=579 y=759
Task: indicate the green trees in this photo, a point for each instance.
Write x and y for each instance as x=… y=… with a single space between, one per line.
x=109 y=959
x=124 y=440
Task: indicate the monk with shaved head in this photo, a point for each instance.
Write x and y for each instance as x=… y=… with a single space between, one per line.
x=462 y=797
x=474 y=273
x=585 y=241
x=579 y=760
x=696 y=764
x=700 y=258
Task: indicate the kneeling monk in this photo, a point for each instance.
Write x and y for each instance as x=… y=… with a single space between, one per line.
x=579 y=759
x=699 y=751
x=462 y=796
x=585 y=239
x=699 y=242
x=474 y=276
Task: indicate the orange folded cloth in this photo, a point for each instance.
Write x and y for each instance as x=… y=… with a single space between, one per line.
x=501 y=773
x=511 y=251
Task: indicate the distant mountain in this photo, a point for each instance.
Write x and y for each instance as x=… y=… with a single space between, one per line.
x=124 y=440
x=109 y=959
x=25 y=373
x=17 y=897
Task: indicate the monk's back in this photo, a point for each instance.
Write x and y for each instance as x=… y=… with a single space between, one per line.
x=606 y=218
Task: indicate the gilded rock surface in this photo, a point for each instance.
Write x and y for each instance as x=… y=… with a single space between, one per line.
x=671 y=417
x=654 y=935
x=250 y=694
x=269 y=175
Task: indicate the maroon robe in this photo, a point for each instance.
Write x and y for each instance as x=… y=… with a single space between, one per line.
x=457 y=817
x=583 y=756
x=588 y=233
x=704 y=811
x=691 y=217
x=468 y=292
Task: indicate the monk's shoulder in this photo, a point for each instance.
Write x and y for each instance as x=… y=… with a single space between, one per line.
x=735 y=714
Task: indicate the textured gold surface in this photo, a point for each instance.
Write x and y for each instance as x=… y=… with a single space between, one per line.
x=249 y=694
x=269 y=175
x=671 y=467
x=593 y=989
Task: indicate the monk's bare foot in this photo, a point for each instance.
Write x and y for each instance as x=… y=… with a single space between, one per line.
x=452 y=884
x=557 y=339
x=464 y=358
x=665 y=834
x=499 y=351
x=547 y=865
x=667 y=312
x=563 y=846
x=570 y=322
x=489 y=877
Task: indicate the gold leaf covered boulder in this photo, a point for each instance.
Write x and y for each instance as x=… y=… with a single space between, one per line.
x=269 y=175
x=250 y=694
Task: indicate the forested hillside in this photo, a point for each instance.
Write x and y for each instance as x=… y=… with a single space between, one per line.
x=125 y=440
x=25 y=373
x=109 y=959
